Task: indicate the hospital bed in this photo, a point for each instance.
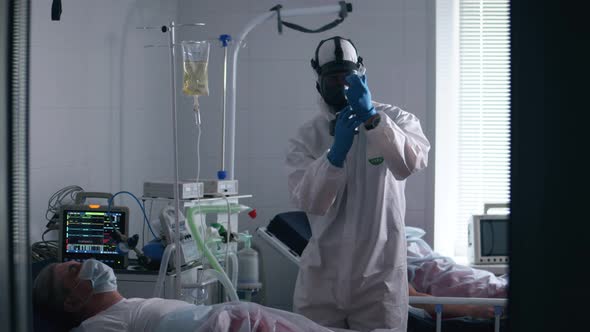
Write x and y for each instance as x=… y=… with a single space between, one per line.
x=289 y=233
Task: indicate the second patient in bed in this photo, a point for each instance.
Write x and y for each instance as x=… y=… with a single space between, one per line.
x=430 y=274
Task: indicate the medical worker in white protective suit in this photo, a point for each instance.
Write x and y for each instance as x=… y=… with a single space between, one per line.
x=350 y=181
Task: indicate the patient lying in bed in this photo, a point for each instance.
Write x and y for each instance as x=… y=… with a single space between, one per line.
x=430 y=274
x=69 y=303
x=237 y=316
x=164 y=315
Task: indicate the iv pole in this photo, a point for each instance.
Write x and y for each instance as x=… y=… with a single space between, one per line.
x=221 y=174
x=171 y=30
x=171 y=44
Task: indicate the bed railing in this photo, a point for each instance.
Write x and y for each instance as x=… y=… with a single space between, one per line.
x=440 y=301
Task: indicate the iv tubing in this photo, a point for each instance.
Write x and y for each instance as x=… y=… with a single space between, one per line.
x=212 y=260
x=323 y=10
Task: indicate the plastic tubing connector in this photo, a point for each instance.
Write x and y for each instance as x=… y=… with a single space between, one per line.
x=221 y=175
x=224 y=39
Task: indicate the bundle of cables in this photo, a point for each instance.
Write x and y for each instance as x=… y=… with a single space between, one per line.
x=47 y=249
x=43 y=250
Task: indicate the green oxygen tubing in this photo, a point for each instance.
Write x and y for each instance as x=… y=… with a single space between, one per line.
x=221 y=275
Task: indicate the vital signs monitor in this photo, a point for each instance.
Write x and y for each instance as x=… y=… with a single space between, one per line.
x=87 y=232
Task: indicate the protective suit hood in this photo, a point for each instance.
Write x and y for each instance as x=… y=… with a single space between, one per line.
x=335 y=51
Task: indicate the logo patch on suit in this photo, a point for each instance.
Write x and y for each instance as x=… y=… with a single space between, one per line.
x=376 y=161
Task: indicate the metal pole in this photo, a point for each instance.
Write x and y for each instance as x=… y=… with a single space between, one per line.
x=19 y=163
x=224 y=109
x=458 y=300
x=438 y=309
x=172 y=43
x=15 y=257
x=497 y=313
x=5 y=216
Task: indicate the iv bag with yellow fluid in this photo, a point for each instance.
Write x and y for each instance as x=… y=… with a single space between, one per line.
x=195 y=56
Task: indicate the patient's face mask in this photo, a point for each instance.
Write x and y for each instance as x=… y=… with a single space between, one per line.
x=101 y=276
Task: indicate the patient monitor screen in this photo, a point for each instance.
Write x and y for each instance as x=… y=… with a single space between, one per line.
x=494 y=237
x=89 y=234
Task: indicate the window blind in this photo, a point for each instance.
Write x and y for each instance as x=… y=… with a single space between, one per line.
x=484 y=110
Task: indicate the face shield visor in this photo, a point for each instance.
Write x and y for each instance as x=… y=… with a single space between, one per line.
x=332 y=83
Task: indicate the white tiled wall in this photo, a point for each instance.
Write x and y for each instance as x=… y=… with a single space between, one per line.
x=100 y=115
x=99 y=100
x=276 y=93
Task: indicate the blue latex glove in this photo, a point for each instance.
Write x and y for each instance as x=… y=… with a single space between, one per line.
x=359 y=97
x=346 y=123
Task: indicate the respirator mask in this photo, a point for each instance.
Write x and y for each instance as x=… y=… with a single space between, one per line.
x=335 y=58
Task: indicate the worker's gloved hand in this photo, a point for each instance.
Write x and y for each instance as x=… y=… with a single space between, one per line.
x=346 y=123
x=359 y=97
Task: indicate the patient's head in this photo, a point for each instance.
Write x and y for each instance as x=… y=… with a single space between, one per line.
x=55 y=291
x=66 y=293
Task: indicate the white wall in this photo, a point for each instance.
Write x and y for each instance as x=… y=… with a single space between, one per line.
x=99 y=100
x=276 y=93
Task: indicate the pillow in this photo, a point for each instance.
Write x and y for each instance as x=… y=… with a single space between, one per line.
x=414 y=232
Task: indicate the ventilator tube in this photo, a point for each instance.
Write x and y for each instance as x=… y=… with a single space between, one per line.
x=210 y=257
x=163 y=269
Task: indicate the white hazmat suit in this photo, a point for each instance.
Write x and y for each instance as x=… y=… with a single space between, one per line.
x=353 y=272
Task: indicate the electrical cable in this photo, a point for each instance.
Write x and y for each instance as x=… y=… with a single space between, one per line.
x=56 y=200
x=143 y=227
x=140 y=205
x=46 y=249
x=46 y=231
x=143 y=233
